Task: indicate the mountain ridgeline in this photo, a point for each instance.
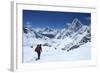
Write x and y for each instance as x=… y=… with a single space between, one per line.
x=71 y=37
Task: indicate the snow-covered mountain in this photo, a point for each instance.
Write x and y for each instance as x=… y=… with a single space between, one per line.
x=70 y=37
x=72 y=30
x=78 y=33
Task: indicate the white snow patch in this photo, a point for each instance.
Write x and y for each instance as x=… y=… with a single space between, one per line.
x=50 y=54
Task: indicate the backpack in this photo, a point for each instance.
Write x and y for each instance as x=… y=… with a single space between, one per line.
x=38 y=48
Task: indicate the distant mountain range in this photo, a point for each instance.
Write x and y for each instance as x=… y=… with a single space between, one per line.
x=72 y=36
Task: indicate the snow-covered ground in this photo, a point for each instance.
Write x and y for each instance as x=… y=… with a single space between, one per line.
x=51 y=54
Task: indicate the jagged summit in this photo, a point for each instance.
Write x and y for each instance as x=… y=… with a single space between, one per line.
x=76 y=20
x=76 y=25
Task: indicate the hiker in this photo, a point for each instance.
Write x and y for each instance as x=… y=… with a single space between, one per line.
x=38 y=50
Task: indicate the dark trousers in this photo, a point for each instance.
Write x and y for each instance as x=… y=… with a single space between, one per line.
x=38 y=53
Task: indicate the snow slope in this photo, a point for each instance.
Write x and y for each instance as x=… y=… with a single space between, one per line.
x=50 y=54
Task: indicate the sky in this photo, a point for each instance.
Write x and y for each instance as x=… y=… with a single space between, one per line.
x=53 y=19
